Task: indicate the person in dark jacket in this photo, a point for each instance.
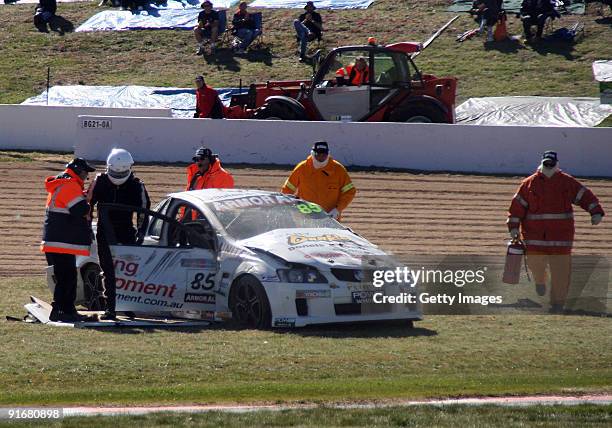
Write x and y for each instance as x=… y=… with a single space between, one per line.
x=308 y=27
x=44 y=13
x=244 y=28
x=117 y=185
x=536 y=12
x=487 y=15
x=66 y=234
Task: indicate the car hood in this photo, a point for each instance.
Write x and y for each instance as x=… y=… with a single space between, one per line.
x=316 y=247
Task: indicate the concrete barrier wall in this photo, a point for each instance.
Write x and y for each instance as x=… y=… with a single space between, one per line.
x=34 y=127
x=461 y=148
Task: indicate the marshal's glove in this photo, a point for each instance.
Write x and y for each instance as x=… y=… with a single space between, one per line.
x=596 y=219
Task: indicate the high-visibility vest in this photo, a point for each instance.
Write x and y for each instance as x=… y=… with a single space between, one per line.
x=330 y=186
x=354 y=76
x=215 y=178
x=66 y=229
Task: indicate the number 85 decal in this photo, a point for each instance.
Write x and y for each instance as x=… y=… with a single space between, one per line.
x=199 y=282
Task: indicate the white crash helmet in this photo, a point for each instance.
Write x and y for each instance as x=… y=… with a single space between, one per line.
x=119 y=166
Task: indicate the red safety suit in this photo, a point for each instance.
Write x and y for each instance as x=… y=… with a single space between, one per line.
x=208 y=103
x=330 y=186
x=214 y=178
x=66 y=229
x=542 y=207
x=354 y=76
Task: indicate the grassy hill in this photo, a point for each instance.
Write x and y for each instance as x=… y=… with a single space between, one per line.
x=166 y=58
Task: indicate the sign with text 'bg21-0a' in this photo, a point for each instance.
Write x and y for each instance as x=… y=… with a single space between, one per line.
x=97 y=123
x=155 y=279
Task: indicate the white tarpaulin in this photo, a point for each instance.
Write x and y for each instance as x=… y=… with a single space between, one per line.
x=180 y=100
x=533 y=111
x=602 y=71
x=37 y=1
x=320 y=4
x=173 y=14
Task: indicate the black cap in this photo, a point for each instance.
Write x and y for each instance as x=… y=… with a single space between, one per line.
x=320 y=147
x=550 y=155
x=309 y=3
x=203 y=152
x=79 y=165
x=199 y=77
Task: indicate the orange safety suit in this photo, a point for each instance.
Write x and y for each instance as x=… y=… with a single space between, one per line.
x=354 y=76
x=66 y=229
x=330 y=186
x=542 y=207
x=214 y=178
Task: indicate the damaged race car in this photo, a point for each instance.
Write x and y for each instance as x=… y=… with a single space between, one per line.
x=264 y=259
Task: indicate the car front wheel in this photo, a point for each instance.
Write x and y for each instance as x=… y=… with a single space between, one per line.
x=249 y=303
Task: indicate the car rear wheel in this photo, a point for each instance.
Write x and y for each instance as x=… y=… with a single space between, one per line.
x=418 y=113
x=92 y=287
x=249 y=303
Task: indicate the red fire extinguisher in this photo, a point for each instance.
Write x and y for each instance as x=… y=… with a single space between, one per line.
x=514 y=260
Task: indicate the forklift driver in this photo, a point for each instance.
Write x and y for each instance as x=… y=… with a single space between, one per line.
x=355 y=74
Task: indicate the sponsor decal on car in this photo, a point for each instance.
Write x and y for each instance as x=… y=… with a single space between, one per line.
x=130 y=257
x=269 y=278
x=312 y=294
x=252 y=201
x=327 y=255
x=297 y=239
x=284 y=322
x=207 y=299
x=197 y=263
x=363 y=296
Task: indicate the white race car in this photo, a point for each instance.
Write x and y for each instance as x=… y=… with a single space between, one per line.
x=264 y=259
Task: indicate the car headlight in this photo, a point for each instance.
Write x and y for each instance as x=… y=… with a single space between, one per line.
x=301 y=275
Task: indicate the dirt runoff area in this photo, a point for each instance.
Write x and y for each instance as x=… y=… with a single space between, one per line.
x=408 y=214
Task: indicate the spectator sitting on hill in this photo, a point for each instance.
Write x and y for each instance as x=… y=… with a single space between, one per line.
x=244 y=28
x=44 y=13
x=207 y=28
x=535 y=12
x=308 y=26
x=487 y=14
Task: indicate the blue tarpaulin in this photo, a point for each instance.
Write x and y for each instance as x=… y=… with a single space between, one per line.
x=320 y=4
x=181 y=15
x=180 y=100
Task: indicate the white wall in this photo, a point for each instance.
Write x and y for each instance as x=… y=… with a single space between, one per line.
x=461 y=148
x=34 y=127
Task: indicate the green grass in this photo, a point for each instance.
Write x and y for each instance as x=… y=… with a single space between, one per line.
x=447 y=416
x=28 y=156
x=443 y=357
x=166 y=58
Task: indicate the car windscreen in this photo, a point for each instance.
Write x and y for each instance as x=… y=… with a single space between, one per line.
x=249 y=216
